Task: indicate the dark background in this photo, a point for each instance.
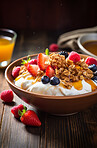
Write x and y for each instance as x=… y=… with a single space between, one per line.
x=48 y=15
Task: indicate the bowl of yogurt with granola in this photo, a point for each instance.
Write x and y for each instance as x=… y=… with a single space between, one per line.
x=58 y=83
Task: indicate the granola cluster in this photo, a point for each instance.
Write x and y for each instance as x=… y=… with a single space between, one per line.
x=69 y=72
x=23 y=69
x=66 y=70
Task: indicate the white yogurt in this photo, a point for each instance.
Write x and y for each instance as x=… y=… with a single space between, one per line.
x=49 y=89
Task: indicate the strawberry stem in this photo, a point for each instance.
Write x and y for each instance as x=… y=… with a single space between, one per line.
x=21 y=113
x=47 y=51
x=26 y=61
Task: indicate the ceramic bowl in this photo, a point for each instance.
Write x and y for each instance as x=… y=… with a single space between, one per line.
x=58 y=105
x=85 y=38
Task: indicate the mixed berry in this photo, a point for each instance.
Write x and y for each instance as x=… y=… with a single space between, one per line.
x=47 y=70
x=54 y=81
x=45 y=79
x=92 y=62
x=64 y=53
x=7 y=95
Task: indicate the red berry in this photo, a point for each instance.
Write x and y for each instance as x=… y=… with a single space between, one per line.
x=53 y=47
x=50 y=71
x=33 y=61
x=91 y=60
x=41 y=59
x=33 y=69
x=15 y=71
x=7 y=95
x=74 y=56
x=30 y=118
x=26 y=64
x=15 y=110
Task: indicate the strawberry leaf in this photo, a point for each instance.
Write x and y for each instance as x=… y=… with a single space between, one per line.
x=21 y=113
x=26 y=61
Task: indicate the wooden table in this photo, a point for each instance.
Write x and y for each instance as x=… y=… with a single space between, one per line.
x=76 y=131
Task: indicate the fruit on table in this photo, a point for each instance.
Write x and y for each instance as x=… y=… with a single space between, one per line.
x=45 y=79
x=15 y=71
x=91 y=60
x=7 y=95
x=74 y=56
x=15 y=110
x=54 y=81
x=64 y=53
x=29 y=117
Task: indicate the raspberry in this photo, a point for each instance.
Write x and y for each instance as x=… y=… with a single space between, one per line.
x=74 y=56
x=33 y=61
x=53 y=47
x=15 y=110
x=91 y=60
x=15 y=71
x=7 y=95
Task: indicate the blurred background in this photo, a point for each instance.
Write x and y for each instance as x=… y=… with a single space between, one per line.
x=49 y=15
x=45 y=20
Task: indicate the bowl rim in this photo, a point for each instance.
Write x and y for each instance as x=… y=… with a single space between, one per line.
x=42 y=96
x=81 y=46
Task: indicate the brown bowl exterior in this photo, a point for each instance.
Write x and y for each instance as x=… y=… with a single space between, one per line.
x=52 y=104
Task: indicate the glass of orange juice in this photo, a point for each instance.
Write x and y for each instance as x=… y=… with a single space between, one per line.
x=7 y=42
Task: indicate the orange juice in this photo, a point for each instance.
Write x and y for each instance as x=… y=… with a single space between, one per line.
x=6 y=48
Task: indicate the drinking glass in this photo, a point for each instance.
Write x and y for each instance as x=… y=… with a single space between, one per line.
x=7 y=42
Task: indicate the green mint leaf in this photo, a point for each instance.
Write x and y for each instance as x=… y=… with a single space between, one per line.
x=47 y=51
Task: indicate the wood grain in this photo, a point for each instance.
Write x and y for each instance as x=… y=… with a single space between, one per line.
x=75 y=131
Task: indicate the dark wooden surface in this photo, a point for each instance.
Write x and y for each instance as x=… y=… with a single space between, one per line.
x=76 y=131
x=64 y=15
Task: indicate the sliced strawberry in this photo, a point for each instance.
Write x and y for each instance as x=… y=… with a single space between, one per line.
x=33 y=69
x=50 y=71
x=41 y=59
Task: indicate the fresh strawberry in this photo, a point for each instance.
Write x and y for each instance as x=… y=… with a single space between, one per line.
x=33 y=69
x=33 y=61
x=41 y=59
x=53 y=47
x=25 y=62
x=15 y=110
x=50 y=71
x=29 y=117
x=15 y=71
x=74 y=56
x=7 y=95
x=91 y=60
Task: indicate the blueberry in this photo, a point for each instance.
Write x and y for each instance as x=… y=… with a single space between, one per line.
x=45 y=79
x=94 y=78
x=95 y=73
x=93 y=67
x=64 y=53
x=54 y=81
